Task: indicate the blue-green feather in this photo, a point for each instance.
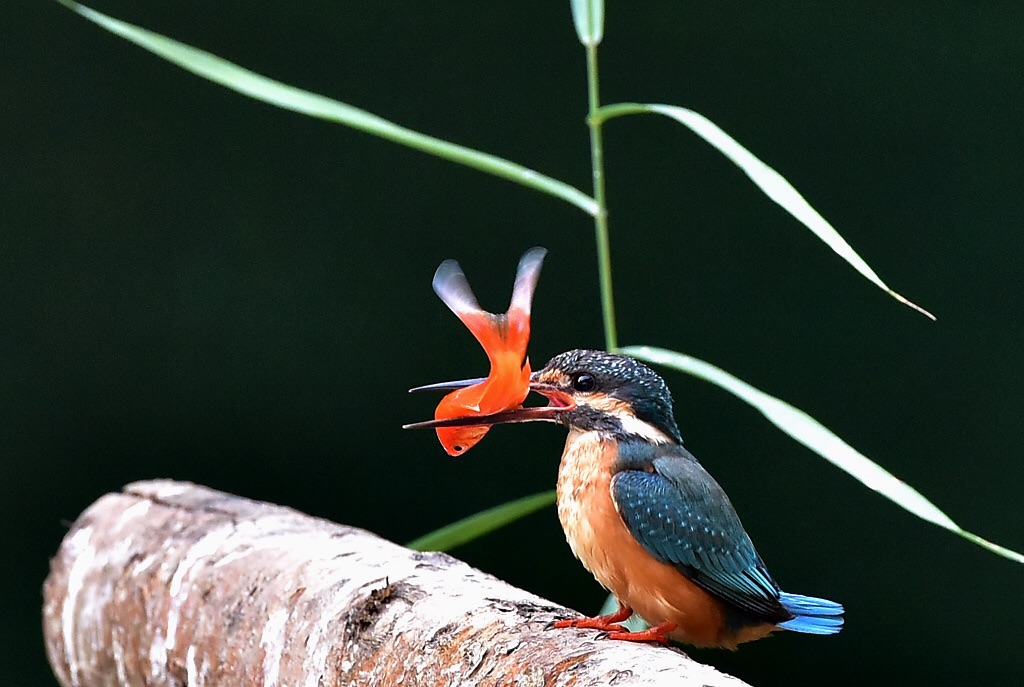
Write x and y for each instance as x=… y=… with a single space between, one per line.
x=681 y=516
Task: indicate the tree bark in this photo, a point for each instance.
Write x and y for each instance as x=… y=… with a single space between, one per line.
x=169 y=583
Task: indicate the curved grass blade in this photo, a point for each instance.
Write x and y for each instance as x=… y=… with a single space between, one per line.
x=815 y=436
x=479 y=524
x=588 y=17
x=767 y=179
x=267 y=90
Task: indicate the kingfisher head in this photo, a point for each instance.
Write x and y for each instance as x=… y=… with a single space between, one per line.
x=608 y=393
x=590 y=391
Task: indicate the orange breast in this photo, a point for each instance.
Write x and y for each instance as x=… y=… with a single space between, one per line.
x=598 y=537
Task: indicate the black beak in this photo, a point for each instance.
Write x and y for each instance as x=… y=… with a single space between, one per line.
x=448 y=386
x=558 y=403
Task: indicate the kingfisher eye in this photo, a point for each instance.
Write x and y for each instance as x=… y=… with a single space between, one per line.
x=584 y=382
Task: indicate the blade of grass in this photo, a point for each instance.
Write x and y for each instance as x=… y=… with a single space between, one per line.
x=479 y=524
x=587 y=14
x=815 y=436
x=773 y=184
x=258 y=87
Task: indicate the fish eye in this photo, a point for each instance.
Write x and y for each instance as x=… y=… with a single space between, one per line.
x=584 y=382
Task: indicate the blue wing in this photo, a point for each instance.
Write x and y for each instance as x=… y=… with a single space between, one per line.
x=681 y=516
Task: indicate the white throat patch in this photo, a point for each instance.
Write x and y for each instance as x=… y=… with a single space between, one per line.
x=628 y=421
x=638 y=428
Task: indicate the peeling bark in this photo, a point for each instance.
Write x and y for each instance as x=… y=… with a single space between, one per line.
x=169 y=583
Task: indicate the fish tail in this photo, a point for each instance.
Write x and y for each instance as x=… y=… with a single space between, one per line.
x=813 y=615
x=527 y=275
x=514 y=327
x=453 y=289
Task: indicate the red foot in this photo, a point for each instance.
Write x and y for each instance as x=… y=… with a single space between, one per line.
x=607 y=623
x=651 y=634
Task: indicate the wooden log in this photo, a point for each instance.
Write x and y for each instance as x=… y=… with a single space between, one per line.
x=169 y=583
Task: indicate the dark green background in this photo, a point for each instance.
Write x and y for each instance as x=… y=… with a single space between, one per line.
x=194 y=285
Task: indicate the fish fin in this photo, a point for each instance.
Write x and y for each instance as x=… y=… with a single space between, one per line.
x=515 y=327
x=527 y=275
x=453 y=289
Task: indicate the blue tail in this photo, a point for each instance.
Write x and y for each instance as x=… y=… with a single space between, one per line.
x=813 y=616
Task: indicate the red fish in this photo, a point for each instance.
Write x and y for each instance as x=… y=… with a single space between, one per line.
x=504 y=338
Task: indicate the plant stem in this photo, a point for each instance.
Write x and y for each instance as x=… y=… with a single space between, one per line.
x=604 y=258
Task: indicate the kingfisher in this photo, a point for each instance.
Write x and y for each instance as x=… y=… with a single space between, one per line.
x=644 y=516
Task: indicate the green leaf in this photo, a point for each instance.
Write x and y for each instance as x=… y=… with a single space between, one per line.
x=267 y=90
x=767 y=179
x=588 y=17
x=633 y=623
x=484 y=522
x=815 y=436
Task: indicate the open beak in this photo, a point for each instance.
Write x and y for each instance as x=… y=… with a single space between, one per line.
x=558 y=403
x=448 y=386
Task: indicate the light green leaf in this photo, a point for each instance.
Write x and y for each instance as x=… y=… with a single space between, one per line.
x=588 y=16
x=479 y=524
x=767 y=179
x=633 y=623
x=282 y=95
x=815 y=436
